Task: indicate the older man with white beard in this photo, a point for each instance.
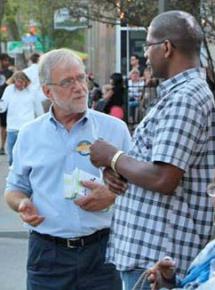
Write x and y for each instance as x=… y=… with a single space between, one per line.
x=67 y=237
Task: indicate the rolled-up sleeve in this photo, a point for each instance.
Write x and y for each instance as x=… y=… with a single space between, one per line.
x=18 y=176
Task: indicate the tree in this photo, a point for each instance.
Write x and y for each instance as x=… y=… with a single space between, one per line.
x=2 y=5
x=10 y=12
x=131 y=12
x=21 y=15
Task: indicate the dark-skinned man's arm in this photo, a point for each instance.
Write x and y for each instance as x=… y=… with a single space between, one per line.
x=158 y=176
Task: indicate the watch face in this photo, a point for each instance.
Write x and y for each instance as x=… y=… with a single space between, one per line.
x=2 y=80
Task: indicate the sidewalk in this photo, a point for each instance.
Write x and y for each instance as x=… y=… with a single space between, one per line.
x=13 y=242
x=10 y=224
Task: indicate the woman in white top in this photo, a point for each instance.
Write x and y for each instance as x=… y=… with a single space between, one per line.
x=135 y=91
x=22 y=106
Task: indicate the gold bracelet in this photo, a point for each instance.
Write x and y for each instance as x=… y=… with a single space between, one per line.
x=115 y=158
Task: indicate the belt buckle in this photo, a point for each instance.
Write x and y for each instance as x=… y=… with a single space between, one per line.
x=68 y=243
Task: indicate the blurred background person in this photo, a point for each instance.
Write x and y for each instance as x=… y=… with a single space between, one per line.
x=96 y=96
x=135 y=63
x=135 y=91
x=32 y=73
x=5 y=74
x=107 y=92
x=210 y=79
x=112 y=101
x=116 y=104
x=149 y=96
x=92 y=85
x=91 y=81
x=22 y=105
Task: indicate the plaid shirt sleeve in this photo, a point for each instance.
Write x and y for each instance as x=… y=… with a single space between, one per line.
x=179 y=133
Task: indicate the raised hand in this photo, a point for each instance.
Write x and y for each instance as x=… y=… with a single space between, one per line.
x=29 y=213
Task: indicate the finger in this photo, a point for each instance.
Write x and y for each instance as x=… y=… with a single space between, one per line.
x=115 y=178
x=37 y=221
x=83 y=201
x=33 y=219
x=27 y=218
x=151 y=278
x=116 y=188
x=90 y=184
x=24 y=207
x=154 y=284
x=88 y=205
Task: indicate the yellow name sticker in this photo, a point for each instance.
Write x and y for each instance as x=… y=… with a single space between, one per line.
x=83 y=147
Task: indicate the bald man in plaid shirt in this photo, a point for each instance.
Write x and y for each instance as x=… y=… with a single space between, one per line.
x=165 y=210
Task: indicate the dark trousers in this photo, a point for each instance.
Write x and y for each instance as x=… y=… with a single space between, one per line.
x=55 y=267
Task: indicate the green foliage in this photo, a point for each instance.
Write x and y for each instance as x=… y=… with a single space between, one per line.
x=191 y=6
x=21 y=15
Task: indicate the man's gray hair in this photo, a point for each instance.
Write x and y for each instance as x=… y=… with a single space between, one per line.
x=52 y=59
x=181 y=28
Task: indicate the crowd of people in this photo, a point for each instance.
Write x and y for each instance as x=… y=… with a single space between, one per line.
x=144 y=214
x=128 y=98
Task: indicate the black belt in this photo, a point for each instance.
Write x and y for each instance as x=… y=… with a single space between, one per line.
x=75 y=242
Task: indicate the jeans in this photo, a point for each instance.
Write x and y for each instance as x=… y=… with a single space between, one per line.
x=133 y=109
x=53 y=266
x=130 y=278
x=11 y=140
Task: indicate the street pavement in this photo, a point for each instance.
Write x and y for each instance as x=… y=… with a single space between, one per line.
x=13 y=241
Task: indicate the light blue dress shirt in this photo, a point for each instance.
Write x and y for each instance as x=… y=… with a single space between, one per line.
x=44 y=151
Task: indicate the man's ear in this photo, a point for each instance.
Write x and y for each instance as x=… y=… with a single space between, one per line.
x=168 y=49
x=47 y=91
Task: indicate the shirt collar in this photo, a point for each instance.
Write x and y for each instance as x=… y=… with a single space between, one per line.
x=56 y=123
x=180 y=78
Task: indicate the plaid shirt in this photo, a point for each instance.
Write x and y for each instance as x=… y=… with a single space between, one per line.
x=178 y=130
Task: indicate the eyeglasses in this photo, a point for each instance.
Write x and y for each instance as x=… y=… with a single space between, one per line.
x=148 y=44
x=211 y=190
x=70 y=82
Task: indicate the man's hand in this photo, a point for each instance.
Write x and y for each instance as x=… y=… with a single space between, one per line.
x=101 y=153
x=29 y=213
x=98 y=199
x=114 y=181
x=162 y=274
